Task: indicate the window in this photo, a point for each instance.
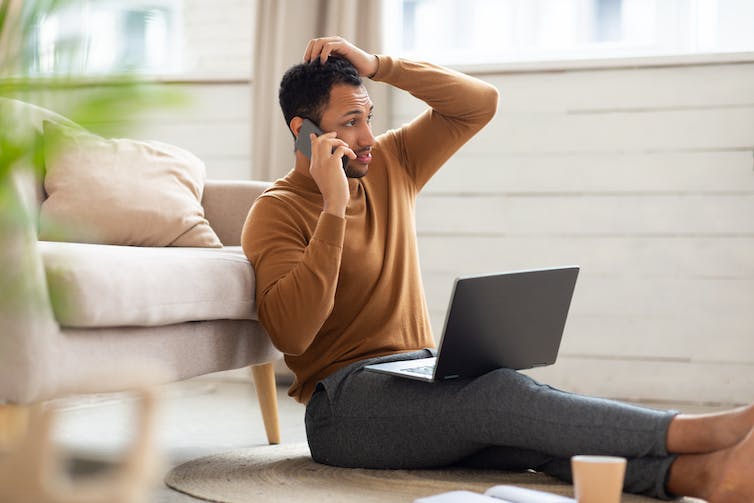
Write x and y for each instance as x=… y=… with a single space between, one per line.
x=196 y=39
x=105 y=36
x=493 y=31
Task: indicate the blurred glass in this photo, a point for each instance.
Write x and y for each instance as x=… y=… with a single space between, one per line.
x=137 y=36
x=493 y=31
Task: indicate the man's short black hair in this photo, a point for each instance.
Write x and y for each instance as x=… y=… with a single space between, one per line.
x=305 y=88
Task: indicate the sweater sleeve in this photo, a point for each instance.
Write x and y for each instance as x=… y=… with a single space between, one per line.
x=296 y=276
x=459 y=106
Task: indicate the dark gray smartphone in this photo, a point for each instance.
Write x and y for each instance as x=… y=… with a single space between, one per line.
x=304 y=144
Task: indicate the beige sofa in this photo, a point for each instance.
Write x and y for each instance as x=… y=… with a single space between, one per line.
x=99 y=318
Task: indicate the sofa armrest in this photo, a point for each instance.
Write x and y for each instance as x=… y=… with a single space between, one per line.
x=226 y=204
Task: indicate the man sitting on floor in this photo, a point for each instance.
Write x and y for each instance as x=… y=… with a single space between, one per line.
x=339 y=287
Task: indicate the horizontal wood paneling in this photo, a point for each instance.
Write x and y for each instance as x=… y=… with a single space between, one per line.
x=650 y=338
x=231 y=168
x=206 y=102
x=715 y=338
x=647 y=257
x=644 y=177
x=622 y=295
x=650 y=131
x=635 y=90
x=614 y=172
x=214 y=123
x=207 y=140
x=671 y=335
x=586 y=215
x=652 y=380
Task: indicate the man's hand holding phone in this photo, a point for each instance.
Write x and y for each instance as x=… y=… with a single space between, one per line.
x=326 y=168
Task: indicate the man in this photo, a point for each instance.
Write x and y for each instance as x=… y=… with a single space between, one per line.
x=338 y=287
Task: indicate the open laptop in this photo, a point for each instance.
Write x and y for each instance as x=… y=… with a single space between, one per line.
x=509 y=320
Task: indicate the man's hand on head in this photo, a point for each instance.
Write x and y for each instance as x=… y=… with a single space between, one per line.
x=366 y=64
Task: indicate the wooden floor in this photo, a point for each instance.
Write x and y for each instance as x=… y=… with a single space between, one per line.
x=197 y=418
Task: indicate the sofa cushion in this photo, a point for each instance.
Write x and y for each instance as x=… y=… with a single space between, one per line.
x=107 y=286
x=121 y=192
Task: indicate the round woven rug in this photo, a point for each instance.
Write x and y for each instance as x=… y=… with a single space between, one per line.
x=286 y=473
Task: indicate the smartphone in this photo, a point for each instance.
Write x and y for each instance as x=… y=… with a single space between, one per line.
x=304 y=144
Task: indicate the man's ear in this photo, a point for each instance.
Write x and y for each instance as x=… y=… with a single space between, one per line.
x=295 y=125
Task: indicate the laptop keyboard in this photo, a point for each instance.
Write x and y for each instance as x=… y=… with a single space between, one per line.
x=424 y=370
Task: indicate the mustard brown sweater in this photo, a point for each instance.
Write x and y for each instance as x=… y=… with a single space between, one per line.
x=332 y=291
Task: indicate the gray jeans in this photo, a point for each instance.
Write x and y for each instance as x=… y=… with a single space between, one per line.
x=503 y=420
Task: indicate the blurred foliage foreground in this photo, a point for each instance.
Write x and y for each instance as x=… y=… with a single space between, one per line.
x=97 y=101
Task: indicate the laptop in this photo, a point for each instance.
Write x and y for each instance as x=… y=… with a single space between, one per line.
x=509 y=320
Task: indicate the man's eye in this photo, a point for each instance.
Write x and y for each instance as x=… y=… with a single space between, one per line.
x=369 y=118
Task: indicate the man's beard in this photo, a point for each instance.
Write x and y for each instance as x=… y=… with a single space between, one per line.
x=355 y=173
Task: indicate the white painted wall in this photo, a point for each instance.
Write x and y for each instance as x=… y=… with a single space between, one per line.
x=215 y=125
x=217 y=37
x=644 y=177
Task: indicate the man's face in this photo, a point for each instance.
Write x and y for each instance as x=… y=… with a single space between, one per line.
x=349 y=114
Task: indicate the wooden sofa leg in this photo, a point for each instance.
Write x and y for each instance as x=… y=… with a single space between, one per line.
x=264 y=381
x=14 y=419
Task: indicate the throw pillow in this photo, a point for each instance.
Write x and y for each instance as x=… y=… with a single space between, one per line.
x=121 y=192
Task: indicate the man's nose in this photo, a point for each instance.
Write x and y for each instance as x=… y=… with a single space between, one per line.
x=366 y=138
